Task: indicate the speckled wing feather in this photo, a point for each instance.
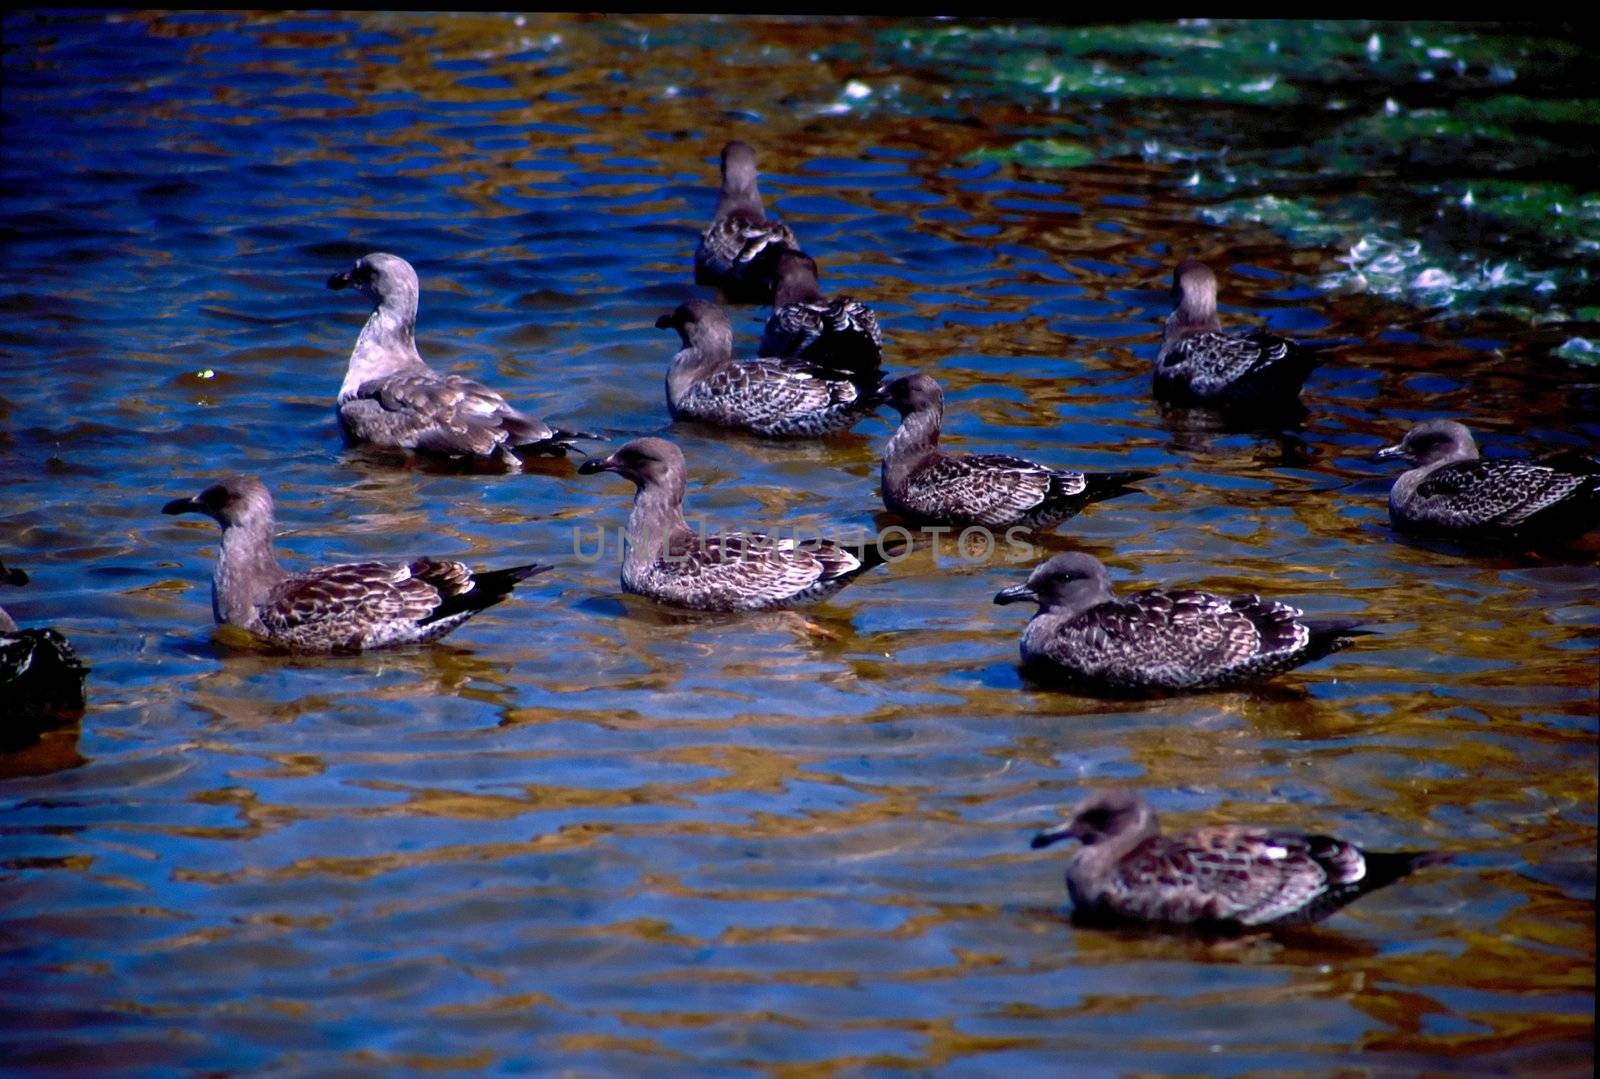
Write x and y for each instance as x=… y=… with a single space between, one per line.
x=1233 y=874
x=1216 y=368
x=362 y=605
x=842 y=333
x=993 y=490
x=737 y=253
x=746 y=571
x=1497 y=493
x=435 y=413
x=1180 y=639
x=776 y=397
x=39 y=672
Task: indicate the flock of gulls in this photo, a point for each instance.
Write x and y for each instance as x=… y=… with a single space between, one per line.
x=819 y=371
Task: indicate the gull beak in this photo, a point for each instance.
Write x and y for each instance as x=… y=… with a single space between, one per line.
x=184 y=505
x=598 y=464
x=665 y=322
x=1017 y=593
x=13 y=576
x=1065 y=830
x=1390 y=452
x=340 y=280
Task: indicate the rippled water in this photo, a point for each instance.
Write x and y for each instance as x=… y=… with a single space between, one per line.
x=587 y=834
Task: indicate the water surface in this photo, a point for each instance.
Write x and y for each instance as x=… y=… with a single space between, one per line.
x=584 y=833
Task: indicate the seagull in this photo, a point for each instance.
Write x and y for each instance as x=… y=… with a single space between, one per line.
x=40 y=672
x=841 y=333
x=925 y=485
x=1198 y=364
x=343 y=608
x=739 y=249
x=1454 y=492
x=779 y=398
x=1228 y=878
x=736 y=571
x=391 y=398
x=1159 y=640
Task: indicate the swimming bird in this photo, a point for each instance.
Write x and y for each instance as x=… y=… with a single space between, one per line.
x=40 y=672
x=348 y=607
x=1159 y=640
x=738 y=251
x=1454 y=492
x=391 y=398
x=1198 y=364
x=739 y=571
x=990 y=490
x=841 y=333
x=780 y=398
x=1227 y=878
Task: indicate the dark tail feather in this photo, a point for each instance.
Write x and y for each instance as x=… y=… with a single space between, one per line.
x=1330 y=635
x=487 y=590
x=1386 y=867
x=876 y=551
x=1104 y=485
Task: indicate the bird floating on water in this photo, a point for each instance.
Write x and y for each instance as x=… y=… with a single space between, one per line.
x=1227 y=878
x=1454 y=492
x=391 y=398
x=41 y=675
x=738 y=250
x=348 y=607
x=841 y=333
x=1198 y=364
x=670 y=562
x=927 y=486
x=1160 y=640
x=780 y=398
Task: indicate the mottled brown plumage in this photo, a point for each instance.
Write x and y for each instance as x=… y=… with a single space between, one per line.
x=841 y=334
x=738 y=250
x=41 y=676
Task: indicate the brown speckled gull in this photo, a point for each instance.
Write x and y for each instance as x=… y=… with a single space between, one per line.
x=1160 y=640
x=1226 y=878
x=841 y=333
x=391 y=398
x=774 y=397
x=1198 y=364
x=671 y=563
x=348 y=607
x=1454 y=492
x=738 y=251
x=40 y=672
x=927 y=486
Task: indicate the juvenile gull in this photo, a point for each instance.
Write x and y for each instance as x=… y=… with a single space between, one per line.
x=1158 y=640
x=342 y=608
x=740 y=571
x=781 y=398
x=991 y=490
x=841 y=333
x=1454 y=492
x=391 y=398
x=1200 y=365
x=1228 y=878
x=738 y=251
x=40 y=673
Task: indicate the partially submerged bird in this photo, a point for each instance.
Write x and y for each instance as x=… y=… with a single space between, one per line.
x=1198 y=364
x=348 y=607
x=738 y=251
x=670 y=562
x=1454 y=492
x=927 y=486
x=40 y=673
x=1158 y=640
x=1229 y=878
x=841 y=333
x=391 y=398
x=781 y=398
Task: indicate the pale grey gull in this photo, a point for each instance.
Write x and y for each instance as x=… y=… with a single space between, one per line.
x=1160 y=640
x=391 y=398
x=840 y=333
x=738 y=251
x=1198 y=364
x=1454 y=492
x=927 y=486
x=779 y=398
x=671 y=563
x=348 y=607
x=40 y=673
x=1228 y=878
